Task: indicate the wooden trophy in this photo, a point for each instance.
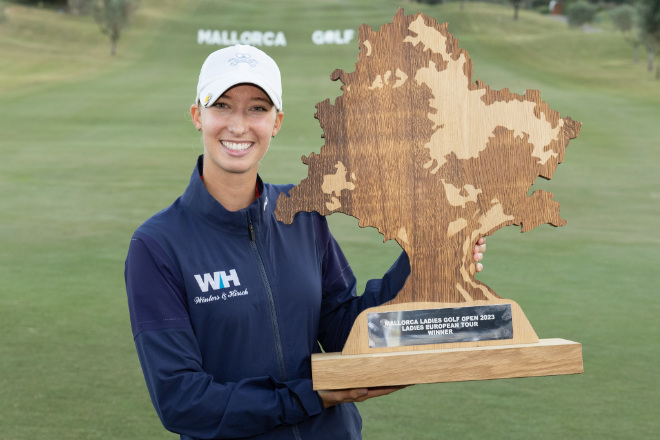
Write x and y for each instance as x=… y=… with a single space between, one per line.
x=435 y=161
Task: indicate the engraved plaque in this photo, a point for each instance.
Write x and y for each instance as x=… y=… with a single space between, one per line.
x=439 y=326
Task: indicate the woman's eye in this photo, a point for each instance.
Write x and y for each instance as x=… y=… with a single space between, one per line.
x=220 y=105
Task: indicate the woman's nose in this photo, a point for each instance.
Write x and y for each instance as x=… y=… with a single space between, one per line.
x=238 y=124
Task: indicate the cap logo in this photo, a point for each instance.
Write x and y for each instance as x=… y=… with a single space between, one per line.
x=243 y=58
x=206 y=100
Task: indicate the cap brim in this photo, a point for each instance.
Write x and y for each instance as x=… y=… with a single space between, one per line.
x=215 y=88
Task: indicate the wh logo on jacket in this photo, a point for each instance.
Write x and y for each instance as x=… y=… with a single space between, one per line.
x=218 y=280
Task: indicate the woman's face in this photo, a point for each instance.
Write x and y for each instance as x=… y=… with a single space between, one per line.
x=237 y=130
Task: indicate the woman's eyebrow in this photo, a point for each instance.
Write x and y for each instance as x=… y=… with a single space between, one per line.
x=261 y=98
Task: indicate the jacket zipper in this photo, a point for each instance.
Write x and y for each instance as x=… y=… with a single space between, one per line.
x=273 y=313
x=271 y=302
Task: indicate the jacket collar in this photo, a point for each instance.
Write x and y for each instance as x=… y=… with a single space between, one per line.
x=197 y=198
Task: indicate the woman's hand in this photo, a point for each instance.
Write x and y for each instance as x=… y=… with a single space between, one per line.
x=478 y=253
x=335 y=397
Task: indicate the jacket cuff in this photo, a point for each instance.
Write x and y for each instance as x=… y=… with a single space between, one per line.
x=309 y=401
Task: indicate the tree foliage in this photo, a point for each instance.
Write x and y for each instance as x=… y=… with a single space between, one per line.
x=78 y=7
x=581 y=13
x=624 y=18
x=430 y=2
x=113 y=16
x=49 y=3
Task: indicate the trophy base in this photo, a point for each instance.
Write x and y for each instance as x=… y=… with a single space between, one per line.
x=547 y=357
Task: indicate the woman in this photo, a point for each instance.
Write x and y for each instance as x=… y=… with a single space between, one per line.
x=227 y=304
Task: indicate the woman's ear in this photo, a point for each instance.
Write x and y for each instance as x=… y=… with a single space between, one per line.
x=196 y=115
x=278 y=122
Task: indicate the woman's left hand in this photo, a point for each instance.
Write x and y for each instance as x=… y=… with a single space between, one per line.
x=335 y=397
x=478 y=253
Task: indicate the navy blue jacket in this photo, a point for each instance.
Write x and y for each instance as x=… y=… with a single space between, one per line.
x=226 y=309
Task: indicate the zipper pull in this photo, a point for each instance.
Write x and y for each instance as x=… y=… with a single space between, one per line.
x=251 y=231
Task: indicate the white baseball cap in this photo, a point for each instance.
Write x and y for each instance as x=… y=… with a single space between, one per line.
x=240 y=64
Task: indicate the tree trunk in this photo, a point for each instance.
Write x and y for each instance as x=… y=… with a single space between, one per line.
x=516 y=7
x=115 y=32
x=650 y=54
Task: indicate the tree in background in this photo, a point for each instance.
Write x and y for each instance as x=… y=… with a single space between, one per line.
x=430 y=2
x=624 y=18
x=649 y=25
x=42 y=3
x=3 y=16
x=78 y=7
x=113 y=16
x=516 y=8
x=581 y=13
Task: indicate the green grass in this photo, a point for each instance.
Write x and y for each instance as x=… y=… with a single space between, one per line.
x=91 y=145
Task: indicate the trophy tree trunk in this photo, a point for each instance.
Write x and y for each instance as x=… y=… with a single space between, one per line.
x=442 y=270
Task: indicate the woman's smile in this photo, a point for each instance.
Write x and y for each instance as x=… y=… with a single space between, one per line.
x=236 y=146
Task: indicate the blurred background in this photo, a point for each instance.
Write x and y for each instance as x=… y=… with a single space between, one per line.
x=95 y=137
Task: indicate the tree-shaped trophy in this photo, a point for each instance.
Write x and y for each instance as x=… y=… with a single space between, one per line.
x=435 y=161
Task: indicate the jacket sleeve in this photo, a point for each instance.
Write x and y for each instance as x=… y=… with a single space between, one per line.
x=340 y=305
x=186 y=398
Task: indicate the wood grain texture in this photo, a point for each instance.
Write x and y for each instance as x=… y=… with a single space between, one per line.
x=547 y=357
x=432 y=159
